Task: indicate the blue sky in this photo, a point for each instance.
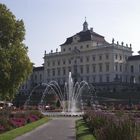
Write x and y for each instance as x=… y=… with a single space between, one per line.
x=49 y=22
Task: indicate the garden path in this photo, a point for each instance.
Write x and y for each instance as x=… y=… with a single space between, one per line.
x=57 y=129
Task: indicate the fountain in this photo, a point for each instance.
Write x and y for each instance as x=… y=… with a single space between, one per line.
x=69 y=99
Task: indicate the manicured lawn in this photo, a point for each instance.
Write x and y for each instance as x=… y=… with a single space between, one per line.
x=10 y=135
x=82 y=131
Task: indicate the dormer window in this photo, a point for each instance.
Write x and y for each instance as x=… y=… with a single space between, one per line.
x=76 y=38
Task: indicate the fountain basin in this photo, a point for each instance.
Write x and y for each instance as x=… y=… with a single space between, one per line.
x=63 y=114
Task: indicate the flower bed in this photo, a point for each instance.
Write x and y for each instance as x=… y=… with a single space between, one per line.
x=109 y=126
x=18 y=119
x=17 y=122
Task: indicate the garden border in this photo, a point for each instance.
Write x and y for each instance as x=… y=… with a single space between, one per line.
x=10 y=135
x=82 y=131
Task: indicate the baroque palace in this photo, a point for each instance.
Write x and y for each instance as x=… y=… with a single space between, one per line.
x=88 y=56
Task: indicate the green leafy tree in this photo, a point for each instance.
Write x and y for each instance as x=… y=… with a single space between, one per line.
x=15 y=65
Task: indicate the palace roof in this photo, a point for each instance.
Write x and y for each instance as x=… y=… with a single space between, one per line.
x=135 y=57
x=85 y=36
x=38 y=68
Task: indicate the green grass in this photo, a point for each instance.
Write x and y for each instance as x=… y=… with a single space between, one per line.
x=82 y=131
x=10 y=135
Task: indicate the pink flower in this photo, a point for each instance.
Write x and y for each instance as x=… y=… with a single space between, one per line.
x=18 y=122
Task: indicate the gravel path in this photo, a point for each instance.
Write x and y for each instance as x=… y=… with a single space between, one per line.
x=56 y=129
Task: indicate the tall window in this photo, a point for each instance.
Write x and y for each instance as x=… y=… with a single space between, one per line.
x=116 y=56
x=139 y=79
x=64 y=71
x=107 y=56
x=58 y=62
x=120 y=67
x=94 y=79
x=100 y=67
x=69 y=61
x=121 y=78
x=64 y=62
x=132 y=69
x=125 y=57
x=58 y=71
x=48 y=80
x=40 y=77
x=125 y=67
x=93 y=57
x=53 y=63
x=116 y=77
x=100 y=78
x=100 y=57
x=87 y=68
x=107 y=67
x=81 y=59
x=94 y=67
x=87 y=58
x=87 y=79
x=64 y=81
x=69 y=68
x=107 y=78
x=132 y=79
x=126 y=78
x=75 y=61
x=75 y=69
x=116 y=66
x=53 y=72
x=48 y=72
x=81 y=69
x=48 y=63
x=35 y=77
x=120 y=57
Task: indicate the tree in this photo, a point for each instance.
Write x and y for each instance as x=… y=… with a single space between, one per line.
x=58 y=104
x=15 y=65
